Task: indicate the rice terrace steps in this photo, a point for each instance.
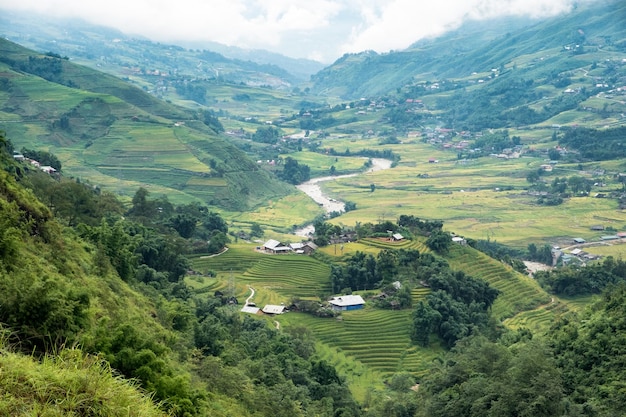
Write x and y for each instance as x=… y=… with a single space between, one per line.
x=370 y=343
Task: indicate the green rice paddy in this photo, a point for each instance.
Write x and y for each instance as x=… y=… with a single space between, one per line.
x=367 y=345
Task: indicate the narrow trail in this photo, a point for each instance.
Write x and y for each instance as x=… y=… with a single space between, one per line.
x=251 y=295
x=215 y=254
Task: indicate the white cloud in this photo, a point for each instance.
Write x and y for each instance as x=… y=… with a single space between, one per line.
x=402 y=22
x=321 y=28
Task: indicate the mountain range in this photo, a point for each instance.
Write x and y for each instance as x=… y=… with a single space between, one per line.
x=125 y=112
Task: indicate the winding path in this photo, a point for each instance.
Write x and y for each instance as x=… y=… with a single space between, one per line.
x=251 y=295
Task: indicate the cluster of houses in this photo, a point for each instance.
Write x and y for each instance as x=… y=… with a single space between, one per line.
x=580 y=254
x=275 y=246
x=339 y=303
x=45 y=168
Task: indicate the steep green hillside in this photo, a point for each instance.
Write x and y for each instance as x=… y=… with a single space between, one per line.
x=70 y=384
x=119 y=137
x=597 y=28
x=86 y=304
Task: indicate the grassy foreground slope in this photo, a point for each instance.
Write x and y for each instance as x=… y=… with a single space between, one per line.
x=119 y=137
x=57 y=291
x=70 y=384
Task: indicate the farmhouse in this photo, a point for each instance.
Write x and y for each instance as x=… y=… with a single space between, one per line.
x=579 y=240
x=250 y=309
x=347 y=302
x=397 y=237
x=459 y=240
x=309 y=247
x=274 y=246
x=297 y=247
x=273 y=309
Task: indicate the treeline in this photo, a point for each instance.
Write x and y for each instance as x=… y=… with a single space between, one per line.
x=43 y=157
x=457 y=307
x=294 y=172
x=363 y=271
x=575 y=370
x=49 y=67
x=370 y=153
x=591 y=279
x=594 y=144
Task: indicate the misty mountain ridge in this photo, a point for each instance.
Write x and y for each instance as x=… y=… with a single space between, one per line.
x=113 y=50
x=476 y=47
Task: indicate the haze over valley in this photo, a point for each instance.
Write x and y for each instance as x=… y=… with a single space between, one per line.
x=334 y=209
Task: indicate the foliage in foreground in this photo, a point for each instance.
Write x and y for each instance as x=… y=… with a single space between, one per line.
x=575 y=370
x=114 y=287
x=68 y=384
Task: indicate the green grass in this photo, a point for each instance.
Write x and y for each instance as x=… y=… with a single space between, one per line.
x=379 y=339
x=289 y=275
x=519 y=293
x=280 y=214
x=320 y=163
x=539 y=319
x=275 y=278
x=70 y=384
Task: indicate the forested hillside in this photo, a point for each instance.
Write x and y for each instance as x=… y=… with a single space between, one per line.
x=95 y=293
x=117 y=135
x=139 y=58
x=138 y=213
x=105 y=290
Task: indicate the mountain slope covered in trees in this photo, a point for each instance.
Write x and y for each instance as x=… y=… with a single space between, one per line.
x=106 y=296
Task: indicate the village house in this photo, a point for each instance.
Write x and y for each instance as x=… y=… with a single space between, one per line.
x=309 y=247
x=274 y=246
x=273 y=309
x=459 y=240
x=347 y=303
x=250 y=309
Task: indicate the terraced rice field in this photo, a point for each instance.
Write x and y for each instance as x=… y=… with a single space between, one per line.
x=378 y=339
x=539 y=319
x=418 y=294
x=237 y=258
x=519 y=292
x=289 y=275
x=417 y=243
x=369 y=344
x=277 y=278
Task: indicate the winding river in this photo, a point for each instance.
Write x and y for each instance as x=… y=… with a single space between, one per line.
x=313 y=190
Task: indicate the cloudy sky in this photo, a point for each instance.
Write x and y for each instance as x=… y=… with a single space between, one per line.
x=317 y=29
